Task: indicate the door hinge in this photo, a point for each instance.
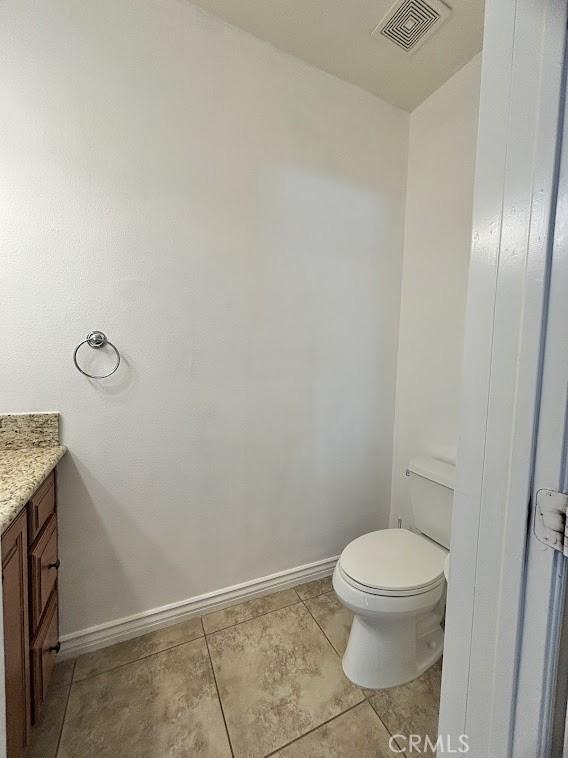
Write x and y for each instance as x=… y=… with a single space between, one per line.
x=550 y=519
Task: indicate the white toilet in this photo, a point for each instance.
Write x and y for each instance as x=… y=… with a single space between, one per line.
x=393 y=582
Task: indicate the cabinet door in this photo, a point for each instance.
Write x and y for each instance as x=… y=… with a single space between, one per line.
x=43 y=653
x=43 y=571
x=16 y=635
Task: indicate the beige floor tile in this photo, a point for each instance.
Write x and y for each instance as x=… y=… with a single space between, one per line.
x=412 y=708
x=164 y=706
x=248 y=610
x=315 y=588
x=44 y=737
x=358 y=733
x=334 y=619
x=139 y=647
x=278 y=678
x=62 y=673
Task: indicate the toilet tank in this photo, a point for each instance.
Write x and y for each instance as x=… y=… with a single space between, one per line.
x=431 y=495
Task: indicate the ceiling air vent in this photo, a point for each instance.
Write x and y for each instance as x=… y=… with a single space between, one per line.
x=411 y=22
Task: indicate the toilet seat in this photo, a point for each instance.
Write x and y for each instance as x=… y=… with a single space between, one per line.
x=393 y=562
x=378 y=592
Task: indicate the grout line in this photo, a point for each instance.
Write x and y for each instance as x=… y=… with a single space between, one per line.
x=377 y=714
x=387 y=730
x=403 y=754
x=339 y=655
x=322 y=631
x=219 y=698
x=65 y=711
x=315 y=728
x=252 y=618
x=134 y=660
x=363 y=689
x=313 y=597
x=170 y=647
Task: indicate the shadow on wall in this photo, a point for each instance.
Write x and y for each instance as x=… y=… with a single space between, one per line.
x=83 y=498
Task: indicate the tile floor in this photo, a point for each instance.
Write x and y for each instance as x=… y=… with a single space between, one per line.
x=262 y=678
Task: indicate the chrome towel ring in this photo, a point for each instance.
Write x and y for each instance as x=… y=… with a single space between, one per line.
x=96 y=340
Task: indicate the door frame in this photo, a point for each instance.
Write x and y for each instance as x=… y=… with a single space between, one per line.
x=485 y=671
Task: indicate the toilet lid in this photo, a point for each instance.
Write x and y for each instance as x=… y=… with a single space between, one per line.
x=393 y=559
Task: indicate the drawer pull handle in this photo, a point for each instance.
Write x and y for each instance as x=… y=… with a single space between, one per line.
x=55 y=565
x=54 y=648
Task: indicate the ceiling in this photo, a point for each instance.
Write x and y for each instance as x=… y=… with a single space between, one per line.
x=335 y=35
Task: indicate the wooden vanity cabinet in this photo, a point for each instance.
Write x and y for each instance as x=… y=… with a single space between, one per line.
x=30 y=566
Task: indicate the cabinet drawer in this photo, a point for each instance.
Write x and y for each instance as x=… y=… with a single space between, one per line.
x=41 y=506
x=44 y=567
x=43 y=654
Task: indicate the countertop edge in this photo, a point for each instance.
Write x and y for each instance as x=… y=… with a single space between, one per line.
x=20 y=496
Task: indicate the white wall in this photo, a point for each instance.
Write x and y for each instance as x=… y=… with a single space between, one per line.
x=441 y=162
x=233 y=219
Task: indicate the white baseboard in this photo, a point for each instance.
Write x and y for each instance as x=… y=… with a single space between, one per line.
x=96 y=637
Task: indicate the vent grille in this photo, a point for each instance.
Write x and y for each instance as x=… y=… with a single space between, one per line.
x=410 y=23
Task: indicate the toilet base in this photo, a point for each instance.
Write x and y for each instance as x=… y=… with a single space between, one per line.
x=392 y=652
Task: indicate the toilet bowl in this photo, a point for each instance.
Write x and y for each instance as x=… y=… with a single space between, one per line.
x=397 y=607
x=393 y=582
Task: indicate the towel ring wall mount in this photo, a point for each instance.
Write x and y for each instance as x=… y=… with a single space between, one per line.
x=96 y=340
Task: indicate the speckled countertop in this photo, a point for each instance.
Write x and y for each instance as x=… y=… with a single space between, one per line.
x=29 y=450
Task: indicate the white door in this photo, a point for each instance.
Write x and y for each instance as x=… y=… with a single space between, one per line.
x=543 y=661
x=506 y=588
